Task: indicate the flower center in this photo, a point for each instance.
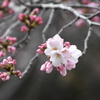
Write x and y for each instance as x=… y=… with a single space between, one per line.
x=58 y=55
x=55 y=48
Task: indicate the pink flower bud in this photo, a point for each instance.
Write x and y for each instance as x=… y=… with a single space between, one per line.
x=33 y=17
x=24 y=28
x=19 y=73
x=36 y=11
x=0 y=40
x=93 y=4
x=96 y=19
x=62 y=70
x=5 y=62
x=44 y=45
x=9 y=58
x=86 y=1
x=2 y=54
x=12 y=40
x=11 y=11
x=8 y=38
x=4 y=76
x=70 y=65
x=11 y=49
x=5 y=3
x=67 y=44
x=1 y=14
x=80 y=23
x=40 y=22
x=21 y=16
x=1 y=64
x=40 y=51
x=14 y=62
x=38 y=19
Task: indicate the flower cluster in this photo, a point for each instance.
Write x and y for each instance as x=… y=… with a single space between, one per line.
x=96 y=18
x=30 y=21
x=62 y=55
x=5 y=9
x=9 y=66
x=7 y=45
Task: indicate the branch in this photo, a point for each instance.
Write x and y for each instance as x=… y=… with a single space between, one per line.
x=47 y=25
x=86 y=39
x=24 y=40
x=67 y=25
x=29 y=66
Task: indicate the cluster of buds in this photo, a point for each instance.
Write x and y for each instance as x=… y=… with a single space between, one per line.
x=30 y=21
x=62 y=55
x=80 y=22
x=7 y=45
x=5 y=9
x=9 y=66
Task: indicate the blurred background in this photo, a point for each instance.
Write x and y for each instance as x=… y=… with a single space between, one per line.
x=81 y=83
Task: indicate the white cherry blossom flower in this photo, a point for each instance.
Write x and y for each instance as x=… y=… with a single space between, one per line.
x=53 y=45
x=57 y=59
x=75 y=54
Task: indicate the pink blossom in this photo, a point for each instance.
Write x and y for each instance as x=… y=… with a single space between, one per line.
x=58 y=38
x=62 y=55
x=1 y=14
x=47 y=66
x=40 y=51
x=5 y=61
x=53 y=45
x=57 y=59
x=11 y=49
x=41 y=48
x=36 y=11
x=5 y=3
x=2 y=54
x=67 y=44
x=12 y=40
x=21 y=16
x=80 y=23
x=9 y=58
x=4 y=76
x=14 y=62
x=86 y=1
x=24 y=28
x=40 y=22
x=38 y=19
x=70 y=65
x=33 y=17
x=96 y=19
x=62 y=70
x=0 y=40
x=74 y=54
x=1 y=64
x=19 y=73
x=11 y=11
x=93 y=4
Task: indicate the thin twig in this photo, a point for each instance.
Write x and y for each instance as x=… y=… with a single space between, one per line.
x=86 y=39
x=29 y=66
x=48 y=24
x=67 y=25
x=95 y=14
x=24 y=40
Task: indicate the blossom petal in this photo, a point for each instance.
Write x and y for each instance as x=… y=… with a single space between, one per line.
x=57 y=59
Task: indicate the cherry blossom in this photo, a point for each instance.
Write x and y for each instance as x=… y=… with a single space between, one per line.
x=62 y=55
